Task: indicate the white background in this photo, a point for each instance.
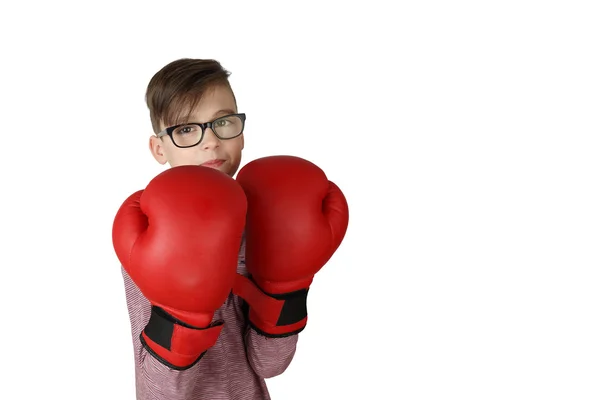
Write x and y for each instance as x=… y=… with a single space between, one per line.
x=465 y=136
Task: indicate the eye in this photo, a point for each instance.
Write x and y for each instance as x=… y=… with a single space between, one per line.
x=222 y=122
x=186 y=129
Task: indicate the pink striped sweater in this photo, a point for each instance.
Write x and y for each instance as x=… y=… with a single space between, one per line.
x=234 y=369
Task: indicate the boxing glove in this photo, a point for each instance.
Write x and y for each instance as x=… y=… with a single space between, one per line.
x=178 y=239
x=295 y=222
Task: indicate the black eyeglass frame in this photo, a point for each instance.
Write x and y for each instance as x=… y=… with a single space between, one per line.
x=169 y=131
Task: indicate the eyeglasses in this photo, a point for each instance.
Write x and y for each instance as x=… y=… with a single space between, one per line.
x=192 y=133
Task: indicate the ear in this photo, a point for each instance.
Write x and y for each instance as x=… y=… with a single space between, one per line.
x=242 y=141
x=157 y=149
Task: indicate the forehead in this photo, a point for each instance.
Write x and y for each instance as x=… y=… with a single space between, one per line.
x=215 y=102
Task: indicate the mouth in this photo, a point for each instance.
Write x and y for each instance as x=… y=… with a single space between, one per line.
x=213 y=163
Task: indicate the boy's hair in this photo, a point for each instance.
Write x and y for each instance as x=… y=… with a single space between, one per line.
x=175 y=90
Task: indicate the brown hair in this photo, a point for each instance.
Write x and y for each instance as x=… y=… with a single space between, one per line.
x=175 y=90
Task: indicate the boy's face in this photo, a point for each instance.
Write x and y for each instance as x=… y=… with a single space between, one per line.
x=224 y=155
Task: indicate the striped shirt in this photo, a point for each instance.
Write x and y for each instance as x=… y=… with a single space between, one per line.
x=235 y=368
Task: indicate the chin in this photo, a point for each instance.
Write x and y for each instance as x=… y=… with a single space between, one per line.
x=225 y=167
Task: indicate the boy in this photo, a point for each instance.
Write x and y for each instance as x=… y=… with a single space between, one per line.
x=191 y=90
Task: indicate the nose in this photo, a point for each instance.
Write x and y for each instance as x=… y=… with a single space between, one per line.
x=210 y=141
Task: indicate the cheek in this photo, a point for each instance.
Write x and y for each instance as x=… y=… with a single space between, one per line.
x=234 y=149
x=234 y=152
x=178 y=157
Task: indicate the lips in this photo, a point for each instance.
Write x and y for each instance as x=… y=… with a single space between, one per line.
x=213 y=163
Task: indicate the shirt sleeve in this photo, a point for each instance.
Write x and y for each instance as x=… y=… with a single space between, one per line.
x=154 y=380
x=268 y=357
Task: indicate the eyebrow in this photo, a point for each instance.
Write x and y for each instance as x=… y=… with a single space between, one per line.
x=224 y=112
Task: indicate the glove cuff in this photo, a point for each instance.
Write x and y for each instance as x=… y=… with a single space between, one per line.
x=292 y=319
x=273 y=315
x=175 y=343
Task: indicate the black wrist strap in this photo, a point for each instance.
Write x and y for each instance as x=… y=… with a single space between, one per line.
x=294 y=307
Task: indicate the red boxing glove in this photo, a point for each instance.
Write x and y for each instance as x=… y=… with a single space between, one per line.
x=179 y=241
x=296 y=220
